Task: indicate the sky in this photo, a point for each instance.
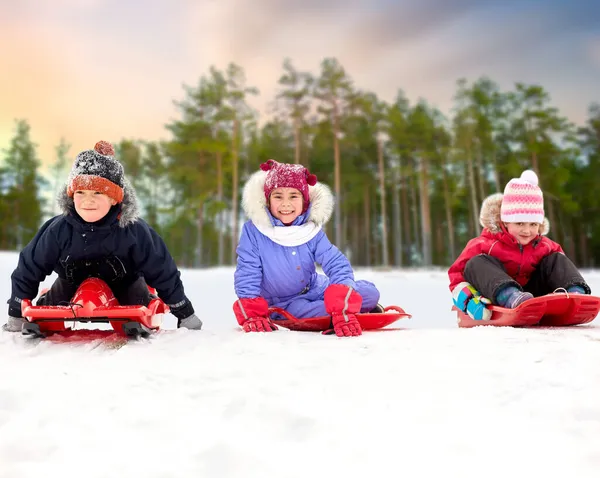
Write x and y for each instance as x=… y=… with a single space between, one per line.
x=88 y=70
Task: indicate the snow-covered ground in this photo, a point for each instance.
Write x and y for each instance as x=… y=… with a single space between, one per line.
x=422 y=399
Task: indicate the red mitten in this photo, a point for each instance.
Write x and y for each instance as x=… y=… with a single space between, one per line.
x=342 y=303
x=252 y=315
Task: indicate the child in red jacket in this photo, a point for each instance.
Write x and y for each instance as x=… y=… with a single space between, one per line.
x=512 y=260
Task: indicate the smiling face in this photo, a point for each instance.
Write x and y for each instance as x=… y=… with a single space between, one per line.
x=524 y=232
x=286 y=204
x=92 y=205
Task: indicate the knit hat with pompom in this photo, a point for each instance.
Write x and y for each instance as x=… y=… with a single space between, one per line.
x=523 y=200
x=97 y=170
x=283 y=175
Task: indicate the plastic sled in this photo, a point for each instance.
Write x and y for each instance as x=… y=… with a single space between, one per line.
x=367 y=320
x=94 y=302
x=554 y=310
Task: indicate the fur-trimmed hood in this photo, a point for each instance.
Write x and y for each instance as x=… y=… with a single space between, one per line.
x=129 y=207
x=489 y=216
x=254 y=202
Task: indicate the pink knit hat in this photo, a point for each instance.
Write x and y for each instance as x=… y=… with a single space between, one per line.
x=282 y=175
x=523 y=200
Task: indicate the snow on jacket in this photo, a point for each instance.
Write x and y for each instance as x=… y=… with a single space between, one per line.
x=277 y=262
x=66 y=243
x=518 y=260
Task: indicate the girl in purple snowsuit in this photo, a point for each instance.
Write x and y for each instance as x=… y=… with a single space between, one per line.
x=278 y=249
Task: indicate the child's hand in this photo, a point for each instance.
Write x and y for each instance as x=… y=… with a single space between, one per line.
x=259 y=324
x=477 y=308
x=252 y=315
x=191 y=322
x=14 y=324
x=469 y=300
x=343 y=303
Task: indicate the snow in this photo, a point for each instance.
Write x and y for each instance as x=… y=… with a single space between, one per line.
x=424 y=398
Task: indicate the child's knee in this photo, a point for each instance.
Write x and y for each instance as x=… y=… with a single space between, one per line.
x=136 y=294
x=369 y=293
x=482 y=259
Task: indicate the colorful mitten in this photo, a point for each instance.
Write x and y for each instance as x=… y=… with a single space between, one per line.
x=469 y=300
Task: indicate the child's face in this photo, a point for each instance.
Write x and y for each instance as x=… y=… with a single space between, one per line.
x=92 y=205
x=286 y=204
x=524 y=232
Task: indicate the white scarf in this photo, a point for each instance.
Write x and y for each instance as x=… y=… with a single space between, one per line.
x=290 y=236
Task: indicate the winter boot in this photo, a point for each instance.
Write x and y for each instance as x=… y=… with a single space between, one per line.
x=378 y=309
x=511 y=297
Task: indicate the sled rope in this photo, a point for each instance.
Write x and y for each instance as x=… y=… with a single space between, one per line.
x=563 y=289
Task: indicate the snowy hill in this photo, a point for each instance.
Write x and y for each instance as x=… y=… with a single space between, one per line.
x=422 y=399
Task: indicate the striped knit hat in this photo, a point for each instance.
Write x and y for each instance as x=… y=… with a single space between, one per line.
x=523 y=200
x=97 y=170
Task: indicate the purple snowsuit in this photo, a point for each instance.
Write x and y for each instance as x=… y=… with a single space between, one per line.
x=277 y=262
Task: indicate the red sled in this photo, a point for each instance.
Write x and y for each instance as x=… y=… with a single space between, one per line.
x=94 y=302
x=552 y=310
x=367 y=320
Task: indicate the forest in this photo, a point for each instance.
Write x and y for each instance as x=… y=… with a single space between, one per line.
x=408 y=180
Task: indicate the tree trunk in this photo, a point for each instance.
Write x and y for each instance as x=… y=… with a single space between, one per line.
x=534 y=164
x=345 y=233
x=499 y=188
x=397 y=237
x=367 y=226
x=406 y=220
x=220 y=214
x=199 y=230
x=234 y=187
x=472 y=191
x=425 y=212
x=437 y=232
x=384 y=234
x=481 y=175
x=553 y=222
x=337 y=177
x=355 y=243
x=449 y=219
x=373 y=227
x=297 y=140
x=414 y=208
x=583 y=244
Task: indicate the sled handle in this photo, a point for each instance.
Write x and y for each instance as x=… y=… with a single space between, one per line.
x=285 y=313
x=395 y=308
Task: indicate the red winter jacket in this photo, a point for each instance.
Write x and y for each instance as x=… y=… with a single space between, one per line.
x=519 y=261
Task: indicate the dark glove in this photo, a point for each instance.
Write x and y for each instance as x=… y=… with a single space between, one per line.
x=183 y=310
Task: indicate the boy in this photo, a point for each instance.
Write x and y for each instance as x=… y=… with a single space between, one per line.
x=99 y=235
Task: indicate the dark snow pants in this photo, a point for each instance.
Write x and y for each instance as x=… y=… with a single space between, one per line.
x=488 y=275
x=62 y=291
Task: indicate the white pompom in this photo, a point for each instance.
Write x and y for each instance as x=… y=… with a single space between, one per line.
x=530 y=177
